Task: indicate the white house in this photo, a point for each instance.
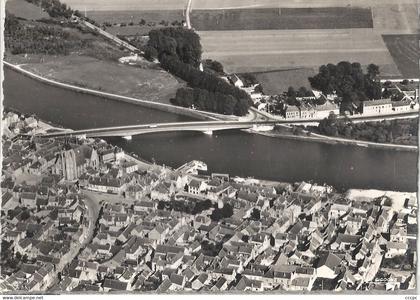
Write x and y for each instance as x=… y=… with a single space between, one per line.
x=323 y=111
x=401 y=106
x=375 y=107
x=292 y=112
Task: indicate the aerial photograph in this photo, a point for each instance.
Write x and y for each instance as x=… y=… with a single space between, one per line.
x=209 y=147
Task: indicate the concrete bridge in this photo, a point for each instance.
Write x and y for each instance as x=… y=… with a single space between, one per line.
x=202 y=126
x=128 y=131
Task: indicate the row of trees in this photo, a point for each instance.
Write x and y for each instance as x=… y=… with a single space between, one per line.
x=349 y=82
x=179 y=52
x=395 y=131
x=189 y=207
x=208 y=101
x=292 y=94
x=203 y=80
x=39 y=39
x=54 y=8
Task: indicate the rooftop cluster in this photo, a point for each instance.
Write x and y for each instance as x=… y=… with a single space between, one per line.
x=95 y=219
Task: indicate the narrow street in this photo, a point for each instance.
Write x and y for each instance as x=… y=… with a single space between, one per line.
x=93 y=208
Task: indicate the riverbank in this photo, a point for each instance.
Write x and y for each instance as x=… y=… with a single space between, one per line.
x=201 y=115
x=206 y=116
x=142 y=81
x=314 y=137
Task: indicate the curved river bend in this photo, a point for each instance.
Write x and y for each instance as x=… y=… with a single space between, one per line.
x=233 y=152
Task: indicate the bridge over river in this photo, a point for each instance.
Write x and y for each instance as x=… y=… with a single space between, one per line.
x=202 y=126
x=128 y=131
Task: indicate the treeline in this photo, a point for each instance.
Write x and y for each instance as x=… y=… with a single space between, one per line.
x=54 y=8
x=182 y=43
x=218 y=90
x=199 y=79
x=395 y=131
x=39 y=39
x=349 y=82
x=292 y=94
x=213 y=102
x=179 y=52
x=189 y=207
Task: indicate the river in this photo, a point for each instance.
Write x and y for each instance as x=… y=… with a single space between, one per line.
x=234 y=152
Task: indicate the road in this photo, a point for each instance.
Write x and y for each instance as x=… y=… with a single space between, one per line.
x=160 y=127
x=187 y=14
x=93 y=208
x=111 y=37
x=208 y=126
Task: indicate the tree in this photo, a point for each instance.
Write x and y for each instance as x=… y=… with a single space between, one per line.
x=372 y=71
x=245 y=238
x=291 y=92
x=177 y=41
x=255 y=214
x=213 y=65
x=320 y=101
x=225 y=212
x=150 y=53
x=348 y=80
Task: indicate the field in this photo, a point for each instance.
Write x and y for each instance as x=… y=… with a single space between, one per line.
x=26 y=10
x=395 y=18
x=229 y=4
x=264 y=50
x=274 y=50
x=244 y=51
x=126 y=4
x=153 y=18
x=276 y=82
x=146 y=84
x=282 y=18
x=126 y=16
x=405 y=51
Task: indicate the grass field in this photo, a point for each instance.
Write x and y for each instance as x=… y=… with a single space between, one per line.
x=26 y=10
x=264 y=50
x=276 y=82
x=282 y=18
x=405 y=51
x=147 y=84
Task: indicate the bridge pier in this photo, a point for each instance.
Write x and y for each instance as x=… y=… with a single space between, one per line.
x=208 y=132
x=127 y=137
